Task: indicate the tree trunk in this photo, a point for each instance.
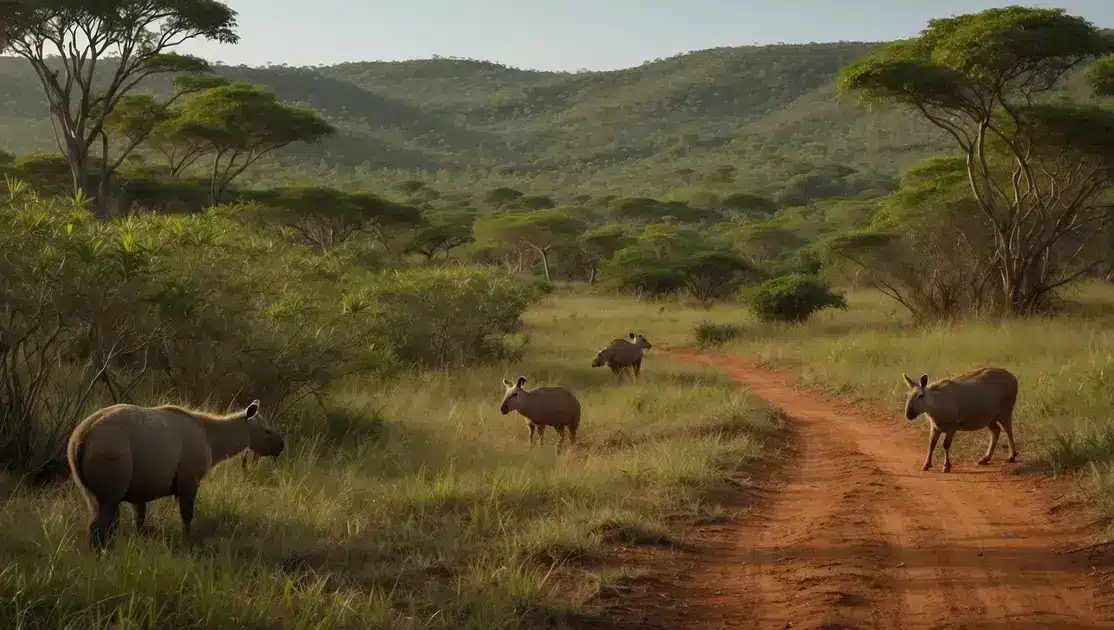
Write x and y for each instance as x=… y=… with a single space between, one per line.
x=545 y=263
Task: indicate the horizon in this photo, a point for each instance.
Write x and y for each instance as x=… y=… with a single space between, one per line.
x=577 y=35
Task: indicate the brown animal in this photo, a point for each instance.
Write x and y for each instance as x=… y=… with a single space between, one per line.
x=620 y=354
x=980 y=399
x=139 y=454
x=543 y=407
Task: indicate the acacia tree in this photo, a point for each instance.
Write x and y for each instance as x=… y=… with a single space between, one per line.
x=1036 y=170
x=539 y=230
x=239 y=123
x=440 y=233
x=599 y=245
x=140 y=118
x=926 y=247
x=326 y=217
x=501 y=196
x=129 y=40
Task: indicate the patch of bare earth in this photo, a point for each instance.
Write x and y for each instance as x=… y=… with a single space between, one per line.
x=850 y=533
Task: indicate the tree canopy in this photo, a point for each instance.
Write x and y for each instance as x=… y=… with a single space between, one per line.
x=1036 y=168
x=137 y=38
x=240 y=123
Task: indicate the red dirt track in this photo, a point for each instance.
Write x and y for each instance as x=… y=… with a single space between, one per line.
x=855 y=535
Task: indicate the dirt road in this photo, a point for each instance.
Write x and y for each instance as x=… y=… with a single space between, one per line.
x=857 y=536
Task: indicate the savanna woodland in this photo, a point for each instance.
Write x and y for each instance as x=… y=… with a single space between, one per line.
x=369 y=248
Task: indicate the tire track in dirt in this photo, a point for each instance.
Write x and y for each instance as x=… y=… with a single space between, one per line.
x=857 y=536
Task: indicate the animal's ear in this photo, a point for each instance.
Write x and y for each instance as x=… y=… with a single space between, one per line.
x=252 y=409
x=506 y=382
x=911 y=382
x=924 y=380
x=632 y=335
x=521 y=380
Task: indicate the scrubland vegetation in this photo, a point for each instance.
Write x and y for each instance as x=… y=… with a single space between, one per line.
x=208 y=236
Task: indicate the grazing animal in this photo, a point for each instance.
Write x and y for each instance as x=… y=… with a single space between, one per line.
x=543 y=407
x=980 y=399
x=620 y=354
x=139 y=454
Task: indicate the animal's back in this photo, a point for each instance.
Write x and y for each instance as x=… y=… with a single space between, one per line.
x=988 y=388
x=559 y=405
x=126 y=452
x=623 y=352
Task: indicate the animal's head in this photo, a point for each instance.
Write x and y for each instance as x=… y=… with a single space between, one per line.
x=599 y=360
x=513 y=396
x=639 y=340
x=261 y=437
x=917 y=402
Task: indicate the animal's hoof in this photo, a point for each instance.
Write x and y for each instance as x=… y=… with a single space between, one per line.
x=926 y=467
x=947 y=467
x=984 y=461
x=1012 y=459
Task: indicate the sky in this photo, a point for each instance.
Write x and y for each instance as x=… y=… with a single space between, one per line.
x=569 y=34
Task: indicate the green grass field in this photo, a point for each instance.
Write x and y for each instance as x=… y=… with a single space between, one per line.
x=415 y=503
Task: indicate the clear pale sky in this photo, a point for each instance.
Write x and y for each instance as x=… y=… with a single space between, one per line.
x=570 y=34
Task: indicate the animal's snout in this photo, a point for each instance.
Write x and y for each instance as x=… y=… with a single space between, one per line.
x=503 y=410
x=910 y=414
x=280 y=446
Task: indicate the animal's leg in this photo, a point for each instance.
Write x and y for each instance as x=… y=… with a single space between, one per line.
x=1007 y=424
x=572 y=436
x=541 y=435
x=615 y=368
x=933 y=437
x=637 y=368
x=140 y=516
x=948 y=450
x=532 y=429
x=995 y=431
x=103 y=525
x=186 y=504
x=560 y=443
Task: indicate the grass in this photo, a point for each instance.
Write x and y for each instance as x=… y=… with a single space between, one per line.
x=414 y=503
x=1064 y=363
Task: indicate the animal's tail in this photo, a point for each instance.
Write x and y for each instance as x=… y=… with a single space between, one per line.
x=75 y=455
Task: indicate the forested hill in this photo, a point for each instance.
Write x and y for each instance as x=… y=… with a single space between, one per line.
x=764 y=110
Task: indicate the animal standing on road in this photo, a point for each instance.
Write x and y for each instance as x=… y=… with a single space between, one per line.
x=543 y=407
x=979 y=399
x=139 y=454
x=621 y=353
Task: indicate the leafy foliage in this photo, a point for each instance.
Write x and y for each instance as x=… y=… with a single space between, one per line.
x=211 y=309
x=1036 y=169
x=140 y=36
x=713 y=334
x=238 y=123
x=793 y=298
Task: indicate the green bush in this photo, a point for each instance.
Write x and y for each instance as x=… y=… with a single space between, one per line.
x=205 y=310
x=712 y=334
x=441 y=316
x=793 y=298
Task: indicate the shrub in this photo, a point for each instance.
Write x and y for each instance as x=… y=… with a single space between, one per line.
x=207 y=311
x=793 y=298
x=441 y=316
x=711 y=334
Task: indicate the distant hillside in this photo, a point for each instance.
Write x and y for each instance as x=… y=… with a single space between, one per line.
x=761 y=109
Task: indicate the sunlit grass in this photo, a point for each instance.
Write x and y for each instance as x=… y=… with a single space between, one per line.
x=414 y=503
x=1064 y=363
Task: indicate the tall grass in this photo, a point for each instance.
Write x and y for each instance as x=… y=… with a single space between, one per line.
x=413 y=503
